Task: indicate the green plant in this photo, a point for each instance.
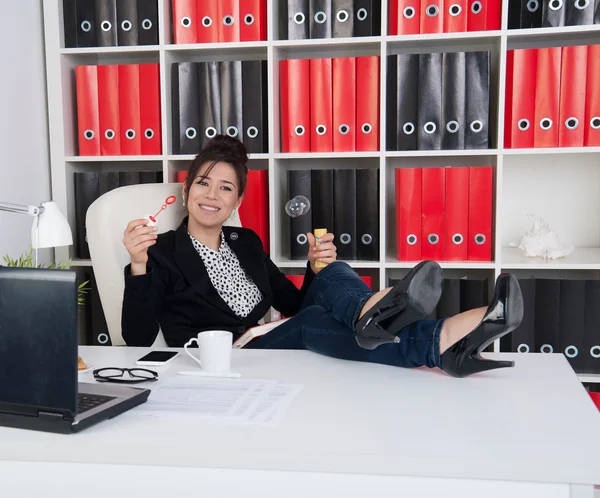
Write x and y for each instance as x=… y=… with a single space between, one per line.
x=26 y=261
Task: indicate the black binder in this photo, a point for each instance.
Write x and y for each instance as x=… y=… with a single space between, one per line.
x=522 y=339
x=453 y=100
x=107 y=181
x=86 y=192
x=209 y=101
x=322 y=199
x=70 y=24
x=449 y=303
x=147 y=11
x=299 y=183
x=367 y=214
x=554 y=13
x=321 y=22
x=254 y=106
x=597 y=13
x=185 y=108
x=579 y=12
x=391 y=103
x=529 y=14
x=591 y=340
x=572 y=322
x=86 y=23
x=343 y=18
x=367 y=17
x=429 y=133
x=294 y=21
x=129 y=178
x=547 y=310
x=231 y=98
x=106 y=23
x=478 y=101
x=407 y=101
x=148 y=176
x=127 y=22
x=473 y=293
x=344 y=209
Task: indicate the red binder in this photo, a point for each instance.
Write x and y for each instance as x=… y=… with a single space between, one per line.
x=294 y=99
x=432 y=212
x=254 y=210
x=298 y=280
x=207 y=27
x=129 y=109
x=108 y=105
x=184 y=21
x=481 y=183
x=592 y=100
x=88 y=118
x=493 y=15
x=321 y=101
x=150 y=109
x=476 y=17
x=457 y=214
x=181 y=176
x=404 y=17
x=228 y=24
x=455 y=16
x=344 y=104
x=520 y=98
x=432 y=16
x=547 y=97
x=572 y=96
x=253 y=20
x=408 y=213
x=367 y=103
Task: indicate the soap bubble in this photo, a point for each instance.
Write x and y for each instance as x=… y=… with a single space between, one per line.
x=297 y=206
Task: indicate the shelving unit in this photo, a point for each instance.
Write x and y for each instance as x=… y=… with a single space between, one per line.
x=558 y=184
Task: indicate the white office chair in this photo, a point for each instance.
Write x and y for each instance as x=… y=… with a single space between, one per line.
x=106 y=220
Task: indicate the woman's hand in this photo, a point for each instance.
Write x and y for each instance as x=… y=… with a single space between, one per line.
x=137 y=241
x=325 y=251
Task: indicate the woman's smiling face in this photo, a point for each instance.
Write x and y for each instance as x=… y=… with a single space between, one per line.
x=212 y=198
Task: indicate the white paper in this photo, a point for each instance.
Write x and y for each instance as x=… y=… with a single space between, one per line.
x=231 y=401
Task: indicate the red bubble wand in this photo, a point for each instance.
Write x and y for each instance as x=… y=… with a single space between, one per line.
x=169 y=200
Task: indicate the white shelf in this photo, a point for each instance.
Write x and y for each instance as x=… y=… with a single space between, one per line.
x=326 y=155
x=583 y=258
x=442 y=153
x=288 y=263
x=540 y=151
x=209 y=47
x=110 y=50
x=518 y=38
x=110 y=159
x=81 y=263
x=454 y=265
x=362 y=41
x=469 y=36
x=590 y=378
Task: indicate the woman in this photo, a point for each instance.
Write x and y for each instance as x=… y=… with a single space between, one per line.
x=206 y=276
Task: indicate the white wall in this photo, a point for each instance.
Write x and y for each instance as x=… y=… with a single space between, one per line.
x=24 y=154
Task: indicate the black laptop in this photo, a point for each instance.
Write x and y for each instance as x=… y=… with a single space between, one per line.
x=39 y=386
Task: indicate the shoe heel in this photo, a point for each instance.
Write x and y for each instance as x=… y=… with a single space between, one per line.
x=476 y=364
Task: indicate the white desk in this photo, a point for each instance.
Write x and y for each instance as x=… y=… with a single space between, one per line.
x=355 y=430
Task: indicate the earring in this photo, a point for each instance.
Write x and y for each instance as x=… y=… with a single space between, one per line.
x=184 y=202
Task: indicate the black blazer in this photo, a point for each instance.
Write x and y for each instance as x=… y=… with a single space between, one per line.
x=176 y=292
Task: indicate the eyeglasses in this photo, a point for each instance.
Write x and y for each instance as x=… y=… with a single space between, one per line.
x=114 y=374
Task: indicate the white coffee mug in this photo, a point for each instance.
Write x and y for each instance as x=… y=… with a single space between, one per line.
x=214 y=349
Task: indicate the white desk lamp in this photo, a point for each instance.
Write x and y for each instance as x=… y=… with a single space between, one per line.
x=50 y=228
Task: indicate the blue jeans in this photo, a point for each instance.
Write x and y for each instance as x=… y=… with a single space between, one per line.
x=326 y=320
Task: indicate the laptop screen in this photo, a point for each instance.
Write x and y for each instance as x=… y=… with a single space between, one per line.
x=38 y=340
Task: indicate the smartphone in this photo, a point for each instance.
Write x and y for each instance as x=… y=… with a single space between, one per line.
x=157 y=358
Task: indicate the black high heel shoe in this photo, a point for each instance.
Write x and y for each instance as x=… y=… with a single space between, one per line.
x=504 y=314
x=410 y=300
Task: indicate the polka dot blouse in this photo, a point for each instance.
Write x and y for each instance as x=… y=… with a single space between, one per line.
x=229 y=278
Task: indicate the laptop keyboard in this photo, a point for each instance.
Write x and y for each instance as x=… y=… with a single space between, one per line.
x=86 y=402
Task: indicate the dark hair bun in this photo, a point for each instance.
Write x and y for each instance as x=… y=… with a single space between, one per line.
x=229 y=148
